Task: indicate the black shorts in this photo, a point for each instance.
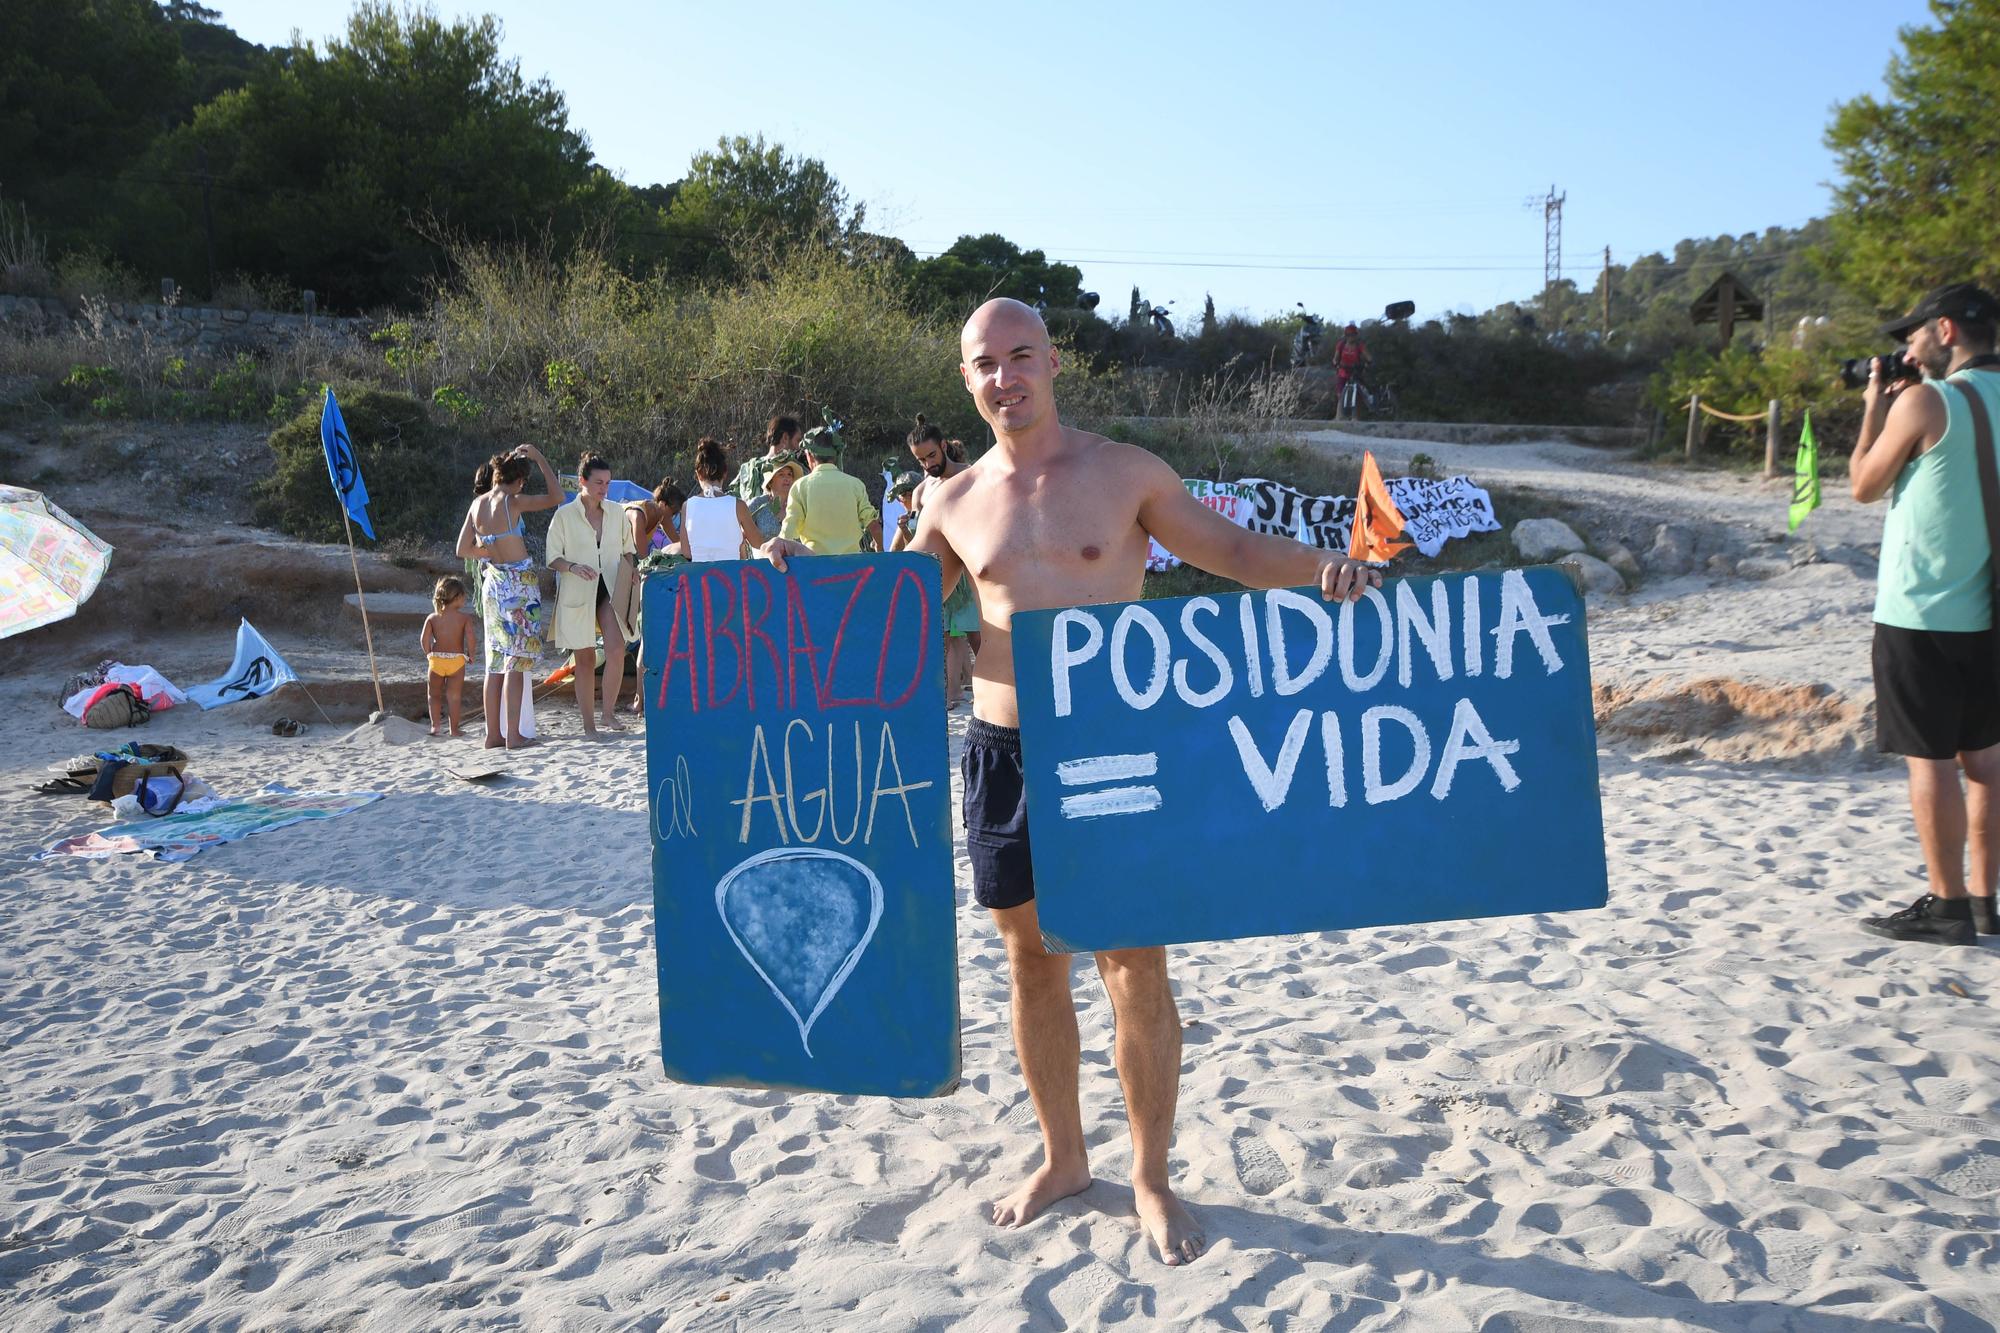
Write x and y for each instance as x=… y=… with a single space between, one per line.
x=1937 y=692
x=996 y=816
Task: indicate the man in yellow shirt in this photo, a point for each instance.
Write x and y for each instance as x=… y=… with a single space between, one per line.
x=829 y=510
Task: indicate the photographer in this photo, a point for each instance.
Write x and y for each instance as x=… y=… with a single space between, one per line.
x=1936 y=653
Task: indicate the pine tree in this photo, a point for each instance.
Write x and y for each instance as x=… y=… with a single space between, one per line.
x=1920 y=171
x=1208 y=317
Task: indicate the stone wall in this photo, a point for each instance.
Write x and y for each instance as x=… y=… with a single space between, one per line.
x=193 y=326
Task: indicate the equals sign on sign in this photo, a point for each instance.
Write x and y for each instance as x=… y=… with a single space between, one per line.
x=1104 y=768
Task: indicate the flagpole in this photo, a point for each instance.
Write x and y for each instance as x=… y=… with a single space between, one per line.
x=366 y=633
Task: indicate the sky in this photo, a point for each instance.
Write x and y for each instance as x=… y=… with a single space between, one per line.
x=1341 y=155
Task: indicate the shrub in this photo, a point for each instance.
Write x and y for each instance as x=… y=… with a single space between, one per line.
x=99 y=388
x=236 y=391
x=1743 y=379
x=573 y=352
x=461 y=405
x=417 y=476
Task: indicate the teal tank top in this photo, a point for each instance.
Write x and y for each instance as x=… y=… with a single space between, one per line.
x=1936 y=571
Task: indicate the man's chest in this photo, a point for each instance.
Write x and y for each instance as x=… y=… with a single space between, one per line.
x=1008 y=539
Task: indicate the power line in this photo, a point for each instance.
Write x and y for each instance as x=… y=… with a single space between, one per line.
x=1739 y=261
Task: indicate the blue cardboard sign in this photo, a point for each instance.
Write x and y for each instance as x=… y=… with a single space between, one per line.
x=1210 y=768
x=796 y=763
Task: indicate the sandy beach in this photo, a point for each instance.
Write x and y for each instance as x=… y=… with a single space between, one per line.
x=400 y=1070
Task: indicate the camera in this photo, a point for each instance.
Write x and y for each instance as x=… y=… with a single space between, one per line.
x=1898 y=366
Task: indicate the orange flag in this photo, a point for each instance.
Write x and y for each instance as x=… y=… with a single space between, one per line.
x=1377 y=521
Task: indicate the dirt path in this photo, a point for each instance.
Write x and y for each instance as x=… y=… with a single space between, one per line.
x=1615 y=482
x=1770 y=663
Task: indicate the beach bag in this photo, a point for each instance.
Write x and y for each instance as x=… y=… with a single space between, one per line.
x=160 y=795
x=120 y=706
x=117 y=776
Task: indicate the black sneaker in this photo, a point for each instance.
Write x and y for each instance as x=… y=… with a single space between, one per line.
x=1928 y=920
x=1985 y=916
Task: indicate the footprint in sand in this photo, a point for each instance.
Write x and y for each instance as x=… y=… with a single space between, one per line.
x=1257 y=1165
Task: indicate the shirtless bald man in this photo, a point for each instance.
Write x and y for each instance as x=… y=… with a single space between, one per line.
x=1057 y=517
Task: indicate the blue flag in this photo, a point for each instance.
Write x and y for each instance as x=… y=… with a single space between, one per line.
x=256 y=670
x=342 y=465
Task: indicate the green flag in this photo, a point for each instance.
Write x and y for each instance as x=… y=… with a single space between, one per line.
x=1805 y=482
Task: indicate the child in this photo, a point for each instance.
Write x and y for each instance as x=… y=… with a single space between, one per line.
x=449 y=640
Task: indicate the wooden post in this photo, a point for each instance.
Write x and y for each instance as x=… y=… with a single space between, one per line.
x=1725 y=310
x=1658 y=428
x=1771 y=441
x=1604 y=335
x=366 y=633
x=1694 y=428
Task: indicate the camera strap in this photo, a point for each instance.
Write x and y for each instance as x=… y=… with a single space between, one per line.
x=1989 y=479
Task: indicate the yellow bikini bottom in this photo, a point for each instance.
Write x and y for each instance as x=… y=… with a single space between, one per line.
x=447 y=664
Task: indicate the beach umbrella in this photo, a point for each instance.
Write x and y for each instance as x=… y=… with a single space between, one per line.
x=49 y=562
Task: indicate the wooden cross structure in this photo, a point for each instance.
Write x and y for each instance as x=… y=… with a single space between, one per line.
x=1727 y=300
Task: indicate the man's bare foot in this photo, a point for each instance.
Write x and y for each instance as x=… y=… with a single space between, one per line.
x=456 y=731
x=1040 y=1190
x=434 y=730
x=494 y=743
x=523 y=744
x=611 y=724
x=1169 y=1226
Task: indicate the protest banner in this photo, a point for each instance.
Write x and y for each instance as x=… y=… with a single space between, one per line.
x=801 y=824
x=1434 y=512
x=1231 y=499
x=1210 y=768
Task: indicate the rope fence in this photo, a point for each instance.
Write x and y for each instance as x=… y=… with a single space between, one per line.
x=1771 y=416
x=1728 y=416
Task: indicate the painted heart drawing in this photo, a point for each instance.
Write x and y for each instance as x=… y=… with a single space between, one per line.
x=802 y=917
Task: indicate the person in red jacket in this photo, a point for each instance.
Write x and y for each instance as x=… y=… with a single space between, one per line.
x=1350 y=357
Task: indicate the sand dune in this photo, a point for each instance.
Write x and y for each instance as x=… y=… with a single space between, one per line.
x=399 y=1070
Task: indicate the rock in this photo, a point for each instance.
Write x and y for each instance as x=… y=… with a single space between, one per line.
x=1594 y=574
x=1620 y=558
x=1672 y=551
x=1542 y=539
x=1762 y=567
x=1721 y=565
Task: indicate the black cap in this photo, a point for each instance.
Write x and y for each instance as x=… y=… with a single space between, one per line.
x=1961 y=300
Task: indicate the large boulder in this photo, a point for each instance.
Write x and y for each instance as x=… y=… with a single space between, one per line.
x=1540 y=540
x=1672 y=550
x=1593 y=574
